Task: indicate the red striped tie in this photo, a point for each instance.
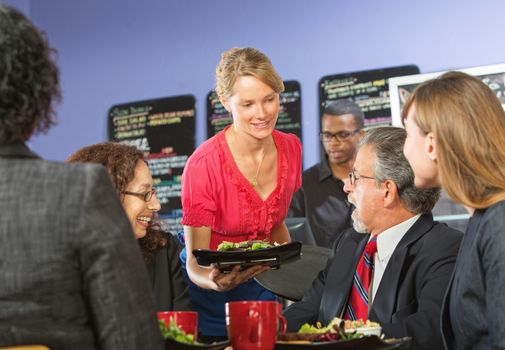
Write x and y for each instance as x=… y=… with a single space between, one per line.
x=357 y=308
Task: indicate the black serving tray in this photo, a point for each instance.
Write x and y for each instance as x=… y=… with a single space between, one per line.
x=296 y=276
x=174 y=345
x=370 y=342
x=226 y=260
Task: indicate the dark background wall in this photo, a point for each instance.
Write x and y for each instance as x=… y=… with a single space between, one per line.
x=118 y=51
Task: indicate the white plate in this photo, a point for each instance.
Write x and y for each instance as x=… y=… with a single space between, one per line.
x=366 y=330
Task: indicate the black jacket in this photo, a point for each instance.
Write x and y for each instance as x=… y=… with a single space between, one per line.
x=409 y=299
x=170 y=290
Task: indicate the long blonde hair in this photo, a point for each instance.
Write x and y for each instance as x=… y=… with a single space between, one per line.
x=468 y=124
x=237 y=62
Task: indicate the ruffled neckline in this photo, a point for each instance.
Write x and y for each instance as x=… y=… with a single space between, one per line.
x=243 y=185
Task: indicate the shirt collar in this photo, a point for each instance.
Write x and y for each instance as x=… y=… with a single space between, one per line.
x=389 y=239
x=324 y=170
x=17 y=149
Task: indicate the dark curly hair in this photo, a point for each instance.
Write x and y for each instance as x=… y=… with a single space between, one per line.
x=120 y=161
x=29 y=78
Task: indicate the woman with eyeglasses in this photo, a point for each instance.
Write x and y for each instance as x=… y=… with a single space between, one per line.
x=456 y=138
x=133 y=182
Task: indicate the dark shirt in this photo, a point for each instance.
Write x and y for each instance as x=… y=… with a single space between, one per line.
x=170 y=289
x=323 y=201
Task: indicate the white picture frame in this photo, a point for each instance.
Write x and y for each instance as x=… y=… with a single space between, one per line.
x=399 y=87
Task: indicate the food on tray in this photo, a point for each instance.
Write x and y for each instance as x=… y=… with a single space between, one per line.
x=245 y=245
x=301 y=338
x=350 y=325
x=318 y=328
x=335 y=330
x=175 y=333
x=245 y=254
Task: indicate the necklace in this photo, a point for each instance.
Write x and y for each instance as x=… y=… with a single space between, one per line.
x=254 y=181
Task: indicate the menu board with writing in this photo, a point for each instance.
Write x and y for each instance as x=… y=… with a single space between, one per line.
x=289 y=119
x=368 y=89
x=164 y=129
x=217 y=116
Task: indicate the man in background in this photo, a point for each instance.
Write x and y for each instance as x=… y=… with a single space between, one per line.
x=322 y=199
x=71 y=274
x=395 y=265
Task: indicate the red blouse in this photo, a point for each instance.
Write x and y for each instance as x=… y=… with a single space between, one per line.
x=216 y=194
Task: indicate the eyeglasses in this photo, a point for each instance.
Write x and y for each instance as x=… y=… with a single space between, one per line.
x=353 y=177
x=145 y=196
x=326 y=136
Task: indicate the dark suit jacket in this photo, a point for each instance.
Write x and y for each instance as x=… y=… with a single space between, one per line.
x=170 y=289
x=473 y=314
x=408 y=301
x=71 y=273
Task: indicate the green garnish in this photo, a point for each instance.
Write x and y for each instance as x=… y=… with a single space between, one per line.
x=225 y=245
x=335 y=326
x=318 y=328
x=175 y=333
x=262 y=245
x=244 y=245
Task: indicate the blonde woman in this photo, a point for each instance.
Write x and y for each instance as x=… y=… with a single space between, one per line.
x=237 y=186
x=456 y=138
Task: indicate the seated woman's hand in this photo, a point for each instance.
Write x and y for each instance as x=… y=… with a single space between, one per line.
x=226 y=281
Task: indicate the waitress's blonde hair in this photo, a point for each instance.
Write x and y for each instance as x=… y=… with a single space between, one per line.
x=237 y=62
x=468 y=124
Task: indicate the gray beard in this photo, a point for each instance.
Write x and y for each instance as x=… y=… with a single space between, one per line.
x=357 y=224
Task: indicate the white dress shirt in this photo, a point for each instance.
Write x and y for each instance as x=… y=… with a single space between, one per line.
x=386 y=245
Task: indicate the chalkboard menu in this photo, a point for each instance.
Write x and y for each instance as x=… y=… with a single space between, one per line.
x=289 y=112
x=217 y=116
x=164 y=129
x=369 y=89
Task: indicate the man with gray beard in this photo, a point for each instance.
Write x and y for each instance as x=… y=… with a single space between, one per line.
x=395 y=265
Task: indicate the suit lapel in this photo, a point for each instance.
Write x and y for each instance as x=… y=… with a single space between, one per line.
x=340 y=276
x=385 y=299
x=16 y=150
x=384 y=302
